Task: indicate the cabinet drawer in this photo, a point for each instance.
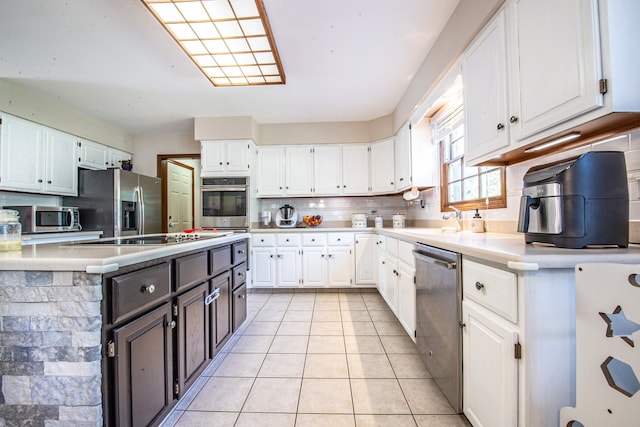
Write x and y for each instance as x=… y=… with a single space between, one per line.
x=190 y=270
x=491 y=287
x=134 y=292
x=261 y=240
x=340 y=239
x=288 y=239
x=239 y=251
x=239 y=275
x=219 y=260
x=314 y=239
x=405 y=252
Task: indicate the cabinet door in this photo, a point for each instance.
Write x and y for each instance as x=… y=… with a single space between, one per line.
x=381 y=266
x=21 y=155
x=212 y=156
x=288 y=267
x=220 y=313
x=490 y=380
x=314 y=266
x=402 y=157
x=93 y=155
x=237 y=156
x=355 y=169
x=117 y=156
x=407 y=299
x=339 y=266
x=143 y=369
x=239 y=306
x=192 y=335
x=391 y=284
x=60 y=164
x=366 y=259
x=270 y=180
x=382 y=167
x=484 y=67
x=299 y=170
x=264 y=267
x=327 y=170
x=555 y=60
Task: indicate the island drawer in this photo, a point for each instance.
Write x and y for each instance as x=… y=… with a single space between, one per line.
x=494 y=288
x=219 y=260
x=190 y=270
x=134 y=292
x=239 y=275
x=239 y=252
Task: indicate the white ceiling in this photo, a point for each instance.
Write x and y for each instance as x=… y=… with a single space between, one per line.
x=344 y=60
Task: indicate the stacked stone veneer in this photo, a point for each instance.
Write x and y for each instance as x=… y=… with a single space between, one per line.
x=50 y=349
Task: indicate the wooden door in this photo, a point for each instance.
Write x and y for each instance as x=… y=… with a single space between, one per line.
x=179 y=196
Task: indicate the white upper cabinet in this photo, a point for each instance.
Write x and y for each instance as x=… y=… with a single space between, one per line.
x=555 y=63
x=484 y=69
x=225 y=157
x=542 y=68
x=327 y=170
x=299 y=170
x=61 y=175
x=116 y=157
x=402 y=155
x=92 y=155
x=270 y=174
x=355 y=169
x=36 y=159
x=382 y=166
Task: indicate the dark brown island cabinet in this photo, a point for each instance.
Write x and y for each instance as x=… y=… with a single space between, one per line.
x=164 y=321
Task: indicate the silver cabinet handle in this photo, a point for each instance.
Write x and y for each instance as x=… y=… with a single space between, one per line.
x=513 y=119
x=212 y=296
x=500 y=126
x=479 y=286
x=148 y=289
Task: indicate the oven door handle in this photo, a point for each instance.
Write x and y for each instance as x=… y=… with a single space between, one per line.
x=426 y=258
x=222 y=188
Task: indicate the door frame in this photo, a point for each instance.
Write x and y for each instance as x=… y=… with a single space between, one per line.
x=161 y=171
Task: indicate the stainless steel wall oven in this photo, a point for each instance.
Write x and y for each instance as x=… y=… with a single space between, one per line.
x=225 y=203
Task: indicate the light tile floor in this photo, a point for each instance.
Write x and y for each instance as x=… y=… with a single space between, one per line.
x=316 y=359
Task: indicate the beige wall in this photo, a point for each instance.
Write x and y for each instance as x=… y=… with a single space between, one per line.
x=27 y=104
x=147 y=147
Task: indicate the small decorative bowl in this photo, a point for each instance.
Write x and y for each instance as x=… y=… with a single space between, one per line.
x=312 y=220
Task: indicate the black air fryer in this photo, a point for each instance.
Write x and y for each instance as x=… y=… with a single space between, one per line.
x=578 y=202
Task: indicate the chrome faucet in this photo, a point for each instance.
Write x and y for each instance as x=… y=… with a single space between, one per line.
x=457 y=215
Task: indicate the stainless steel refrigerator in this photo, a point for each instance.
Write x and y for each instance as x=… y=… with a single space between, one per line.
x=118 y=202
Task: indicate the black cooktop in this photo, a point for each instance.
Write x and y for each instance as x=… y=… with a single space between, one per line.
x=151 y=240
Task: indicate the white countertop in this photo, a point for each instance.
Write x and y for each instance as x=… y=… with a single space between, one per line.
x=502 y=248
x=98 y=259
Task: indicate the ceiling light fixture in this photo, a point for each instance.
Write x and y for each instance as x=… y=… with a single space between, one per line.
x=560 y=140
x=229 y=40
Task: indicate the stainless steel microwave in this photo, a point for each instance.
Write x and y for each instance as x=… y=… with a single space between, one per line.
x=47 y=219
x=225 y=203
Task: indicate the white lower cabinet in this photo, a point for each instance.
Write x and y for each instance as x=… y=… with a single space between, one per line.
x=365 y=259
x=398 y=289
x=327 y=259
x=518 y=344
x=276 y=263
x=490 y=370
x=407 y=298
x=303 y=259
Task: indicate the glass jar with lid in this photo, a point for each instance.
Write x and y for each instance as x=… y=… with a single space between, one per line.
x=10 y=231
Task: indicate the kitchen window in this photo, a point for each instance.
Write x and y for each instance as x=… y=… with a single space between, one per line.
x=464 y=187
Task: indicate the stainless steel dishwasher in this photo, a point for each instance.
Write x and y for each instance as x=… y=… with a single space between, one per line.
x=438 y=318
